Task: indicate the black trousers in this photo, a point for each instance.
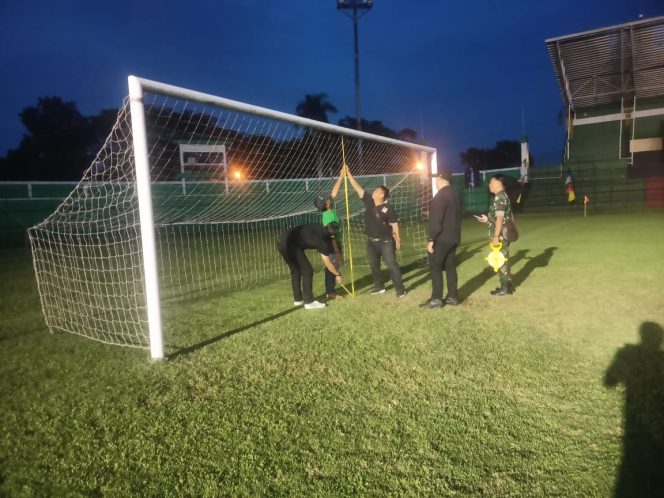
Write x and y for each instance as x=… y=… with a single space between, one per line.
x=388 y=251
x=443 y=258
x=302 y=273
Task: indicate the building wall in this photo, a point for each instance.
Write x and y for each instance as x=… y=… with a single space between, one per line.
x=649 y=126
x=595 y=142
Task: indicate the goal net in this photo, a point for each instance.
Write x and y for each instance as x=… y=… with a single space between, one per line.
x=187 y=197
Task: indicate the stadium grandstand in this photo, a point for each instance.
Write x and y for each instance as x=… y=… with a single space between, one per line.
x=612 y=83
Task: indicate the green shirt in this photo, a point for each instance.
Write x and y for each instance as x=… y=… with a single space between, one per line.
x=331 y=216
x=499 y=207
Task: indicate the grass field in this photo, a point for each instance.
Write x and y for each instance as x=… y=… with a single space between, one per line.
x=369 y=397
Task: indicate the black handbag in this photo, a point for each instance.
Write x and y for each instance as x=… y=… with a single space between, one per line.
x=510 y=232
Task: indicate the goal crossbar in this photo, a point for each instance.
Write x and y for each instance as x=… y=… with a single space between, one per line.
x=207 y=99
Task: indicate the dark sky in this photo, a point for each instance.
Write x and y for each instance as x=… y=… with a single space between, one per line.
x=460 y=71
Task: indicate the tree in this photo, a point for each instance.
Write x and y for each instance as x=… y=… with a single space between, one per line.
x=315 y=107
x=407 y=135
x=506 y=154
x=374 y=127
x=59 y=142
x=475 y=158
x=101 y=125
x=378 y=128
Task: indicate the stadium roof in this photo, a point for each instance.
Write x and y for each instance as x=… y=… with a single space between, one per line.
x=604 y=65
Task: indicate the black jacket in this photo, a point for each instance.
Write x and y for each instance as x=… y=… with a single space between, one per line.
x=445 y=217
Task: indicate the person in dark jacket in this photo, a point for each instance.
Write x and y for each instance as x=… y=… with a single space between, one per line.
x=444 y=237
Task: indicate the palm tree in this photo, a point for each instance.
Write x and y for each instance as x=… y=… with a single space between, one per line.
x=315 y=107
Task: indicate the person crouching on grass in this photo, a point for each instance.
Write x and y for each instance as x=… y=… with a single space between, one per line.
x=291 y=245
x=326 y=205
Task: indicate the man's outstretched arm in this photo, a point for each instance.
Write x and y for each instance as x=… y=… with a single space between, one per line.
x=356 y=186
x=337 y=185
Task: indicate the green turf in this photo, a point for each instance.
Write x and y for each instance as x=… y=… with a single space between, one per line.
x=369 y=397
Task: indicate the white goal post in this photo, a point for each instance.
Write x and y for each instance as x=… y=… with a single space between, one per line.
x=146 y=225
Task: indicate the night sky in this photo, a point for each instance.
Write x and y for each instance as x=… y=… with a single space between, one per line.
x=460 y=72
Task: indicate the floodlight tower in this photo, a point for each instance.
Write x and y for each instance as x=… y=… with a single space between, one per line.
x=356 y=9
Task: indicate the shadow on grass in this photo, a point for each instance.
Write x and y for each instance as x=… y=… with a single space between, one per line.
x=471 y=286
x=461 y=257
x=539 y=261
x=640 y=369
x=367 y=280
x=422 y=274
x=190 y=349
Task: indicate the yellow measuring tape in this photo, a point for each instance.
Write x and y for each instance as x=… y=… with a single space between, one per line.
x=350 y=247
x=346 y=289
x=496 y=258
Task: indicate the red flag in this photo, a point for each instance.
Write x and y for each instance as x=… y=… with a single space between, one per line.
x=585 y=199
x=569 y=187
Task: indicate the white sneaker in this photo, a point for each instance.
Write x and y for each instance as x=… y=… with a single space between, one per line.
x=375 y=292
x=298 y=303
x=314 y=305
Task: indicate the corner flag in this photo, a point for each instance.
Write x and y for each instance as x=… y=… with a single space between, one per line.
x=569 y=187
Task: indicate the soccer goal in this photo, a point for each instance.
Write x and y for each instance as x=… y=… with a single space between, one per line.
x=187 y=197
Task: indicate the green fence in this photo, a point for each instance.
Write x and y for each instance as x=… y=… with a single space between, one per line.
x=476 y=199
x=24 y=204
x=607 y=184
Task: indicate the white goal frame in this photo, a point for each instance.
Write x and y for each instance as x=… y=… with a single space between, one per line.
x=137 y=87
x=54 y=250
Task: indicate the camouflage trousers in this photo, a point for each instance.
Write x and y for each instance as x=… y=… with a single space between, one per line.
x=504 y=273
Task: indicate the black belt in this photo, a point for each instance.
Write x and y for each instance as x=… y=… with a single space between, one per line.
x=378 y=239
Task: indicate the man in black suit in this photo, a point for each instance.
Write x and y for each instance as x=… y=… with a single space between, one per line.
x=444 y=237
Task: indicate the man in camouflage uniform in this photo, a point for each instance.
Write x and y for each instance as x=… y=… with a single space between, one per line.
x=500 y=214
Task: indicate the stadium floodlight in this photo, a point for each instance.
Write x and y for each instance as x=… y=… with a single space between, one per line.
x=357 y=9
x=156 y=219
x=354 y=4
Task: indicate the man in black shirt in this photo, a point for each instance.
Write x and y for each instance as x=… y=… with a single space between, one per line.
x=444 y=237
x=383 y=240
x=292 y=244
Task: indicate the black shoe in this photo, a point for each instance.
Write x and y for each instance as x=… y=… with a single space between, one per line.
x=503 y=292
x=495 y=291
x=451 y=301
x=432 y=303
